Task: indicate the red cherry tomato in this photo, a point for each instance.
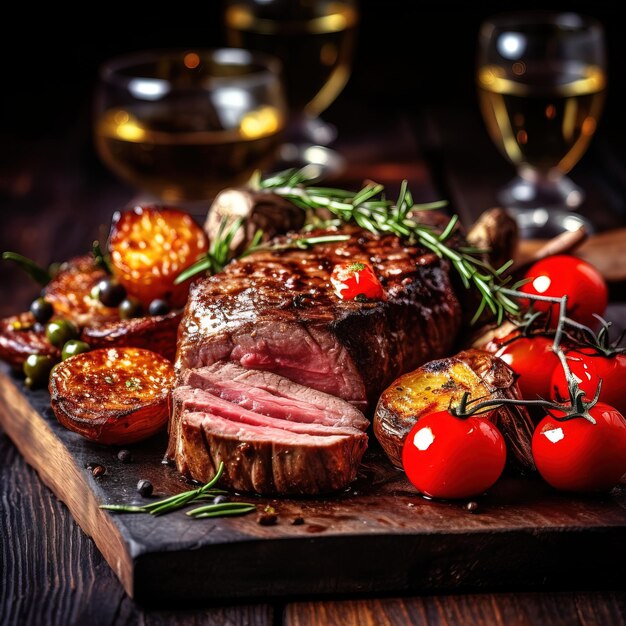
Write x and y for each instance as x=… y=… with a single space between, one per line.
x=589 y=368
x=451 y=457
x=562 y=274
x=353 y=281
x=532 y=359
x=576 y=455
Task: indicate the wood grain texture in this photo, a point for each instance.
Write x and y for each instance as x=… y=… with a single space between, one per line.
x=523 y=609
x=52 y=573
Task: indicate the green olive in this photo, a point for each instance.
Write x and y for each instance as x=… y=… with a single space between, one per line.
x=37 y=369
x=58 y=332
x=73 y=347
x=42 y=310
x=130 y=307
x=54 y=269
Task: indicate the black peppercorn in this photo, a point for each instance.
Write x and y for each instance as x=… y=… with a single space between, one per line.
x=125 y=456
x=144 y=487
x=298 y=521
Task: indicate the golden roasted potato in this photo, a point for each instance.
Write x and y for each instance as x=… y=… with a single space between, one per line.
x=113 y=395
x=441 y=383
x=70 y=292
x=150 y=247
x=154 y=332
x=21 y=336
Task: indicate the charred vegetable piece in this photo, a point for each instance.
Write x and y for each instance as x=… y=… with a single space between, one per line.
x=73 y=292
x=20 y=337
x=440 y=383
x=150 y=246
x=156 y=333
x=113 y=396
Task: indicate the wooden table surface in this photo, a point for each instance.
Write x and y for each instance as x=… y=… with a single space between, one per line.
x=54 y=197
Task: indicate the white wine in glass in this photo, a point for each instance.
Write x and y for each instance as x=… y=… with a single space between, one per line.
x=314 y=39
x=541 y=83
x=182 y=125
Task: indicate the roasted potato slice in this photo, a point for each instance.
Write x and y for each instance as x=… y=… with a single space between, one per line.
x=113 y=396
x=157 y=333
x=21 y=336
x=438 y=384
x=150 y=247
x=70 y=292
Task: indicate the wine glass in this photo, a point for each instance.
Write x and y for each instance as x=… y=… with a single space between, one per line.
x=181 y=125
x=541 y=83
x=315 y=40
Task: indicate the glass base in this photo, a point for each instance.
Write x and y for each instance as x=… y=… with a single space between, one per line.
x=530 y=190
x=306 y=129
x=548 y=223
x=320 y=161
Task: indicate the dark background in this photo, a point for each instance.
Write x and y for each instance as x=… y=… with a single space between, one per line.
x=409 y=55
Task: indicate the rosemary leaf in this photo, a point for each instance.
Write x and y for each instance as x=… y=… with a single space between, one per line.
x=243 y=507
x=123 y=508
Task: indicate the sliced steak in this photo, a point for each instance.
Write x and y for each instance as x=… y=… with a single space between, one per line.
x=282 y=426
x=267 y=460
x=198 y=400
x=277 y=311
x=270 y=394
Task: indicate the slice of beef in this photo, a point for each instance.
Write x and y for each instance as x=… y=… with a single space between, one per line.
x=199 y=400
x=266 y=460
x=277 y=311
x=270 y=394
x=265 y=415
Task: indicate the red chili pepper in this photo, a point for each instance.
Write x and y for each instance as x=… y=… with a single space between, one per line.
x=356 y=281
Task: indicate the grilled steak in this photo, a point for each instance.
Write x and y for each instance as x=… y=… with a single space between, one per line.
x=273 y=435
x=270 y=358
x=277 y=311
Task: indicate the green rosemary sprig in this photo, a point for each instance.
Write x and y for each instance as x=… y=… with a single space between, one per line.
x=178 y=501
x=371 y=210
x=220 y=253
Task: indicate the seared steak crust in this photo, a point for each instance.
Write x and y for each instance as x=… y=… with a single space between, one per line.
x=276 y=310
x=267 y=460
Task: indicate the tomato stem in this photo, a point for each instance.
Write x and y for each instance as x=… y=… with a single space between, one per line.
x=577 y=406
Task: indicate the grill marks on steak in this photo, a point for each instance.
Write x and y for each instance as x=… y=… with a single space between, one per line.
x=277 y=311
x=273 y=435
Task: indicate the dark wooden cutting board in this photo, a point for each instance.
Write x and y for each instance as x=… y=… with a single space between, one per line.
x=377 y=536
